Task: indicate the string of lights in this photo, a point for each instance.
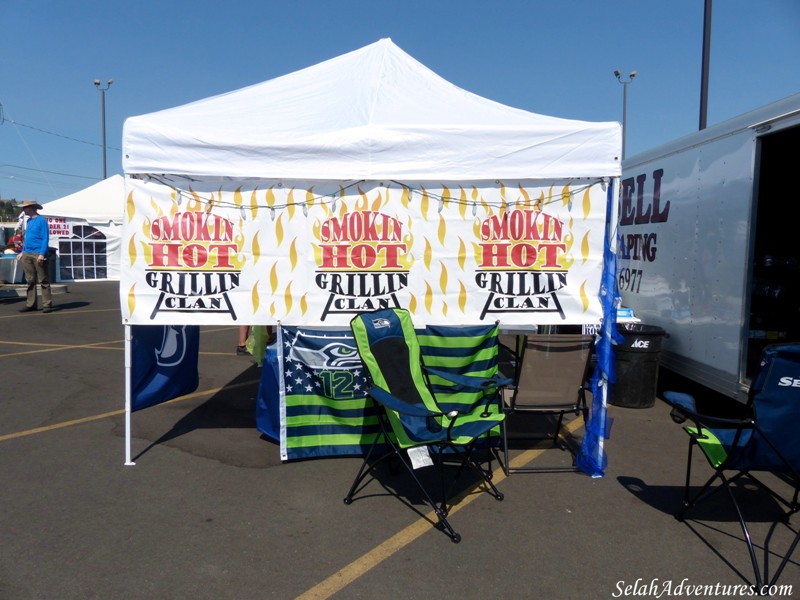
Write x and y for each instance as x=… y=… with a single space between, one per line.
x=333 y=198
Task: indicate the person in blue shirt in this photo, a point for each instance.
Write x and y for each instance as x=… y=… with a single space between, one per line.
x=34 y=256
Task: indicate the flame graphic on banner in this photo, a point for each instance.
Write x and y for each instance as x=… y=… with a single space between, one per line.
x=442 y=229
x=587 y=204
x=279 y=229
x=194 y=203
x=408 y=240
x=272 y=309
x=255 y=249
x=290 y=204
x=477 y=252
x=412 y=304
x=147 y=250
x=462 y=253
x=132 y=249
x=428 y=297
x=426 y=256
x=273 y=278
x=569 y=240
x=255 y=297
x=539 y=203
x=237 y=197
x=584 y=297
x=378 y=203
x=443 y=278
x=288 y=298
x=293 y=253
x=130 y=207
x=462 y=204
x=525 y=195
x=361 y=205
x=462 y=296
x=404 y=197
x=240 y=260
x=304 y=304
x=131 y=300
x=585 y=248
x=310 y=197
x=424 y=204
x=444 y=308
x=254 y=204
x=566 y=197
x=445 y=196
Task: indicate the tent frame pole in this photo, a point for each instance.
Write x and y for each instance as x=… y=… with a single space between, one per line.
x=128 y=363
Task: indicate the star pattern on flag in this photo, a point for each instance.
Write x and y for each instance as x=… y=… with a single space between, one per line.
x=301 y=378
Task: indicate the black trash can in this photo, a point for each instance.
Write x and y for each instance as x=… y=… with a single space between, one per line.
x=637 y=365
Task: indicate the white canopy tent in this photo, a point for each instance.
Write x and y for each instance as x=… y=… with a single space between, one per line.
x=365 y=181
x=373 y=113
x=85 y=230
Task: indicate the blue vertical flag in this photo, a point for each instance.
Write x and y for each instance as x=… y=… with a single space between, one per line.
x=592 y=458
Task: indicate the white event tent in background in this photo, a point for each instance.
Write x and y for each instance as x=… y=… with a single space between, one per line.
x=85 y=230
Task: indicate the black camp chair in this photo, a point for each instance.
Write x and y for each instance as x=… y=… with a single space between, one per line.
x=550 y=377
x=764 y=440
x=412 y=422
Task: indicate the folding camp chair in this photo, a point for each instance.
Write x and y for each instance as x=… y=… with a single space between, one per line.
x=550 y=375
x=764 y=440
x=413 y=426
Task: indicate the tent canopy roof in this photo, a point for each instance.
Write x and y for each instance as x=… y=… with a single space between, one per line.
x=374 y=113
x=102 y=202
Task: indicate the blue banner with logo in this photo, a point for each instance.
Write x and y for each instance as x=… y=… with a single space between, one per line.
x=164 y=363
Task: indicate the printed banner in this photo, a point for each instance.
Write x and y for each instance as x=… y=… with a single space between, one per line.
x=318 y=253
x=164 y=363
x=320 y=392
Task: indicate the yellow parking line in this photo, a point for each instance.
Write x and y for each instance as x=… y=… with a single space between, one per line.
x=344 y=577
x=94 y=345
x=113 y=413
x=69 y=311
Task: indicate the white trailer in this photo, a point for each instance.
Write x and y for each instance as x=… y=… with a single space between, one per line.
x=710 y=244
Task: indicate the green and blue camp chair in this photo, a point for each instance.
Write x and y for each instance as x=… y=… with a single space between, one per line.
x=412 y=421
x=764 y=440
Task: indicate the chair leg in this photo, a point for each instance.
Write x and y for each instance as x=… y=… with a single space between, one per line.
x=558 y=428
x=440 y=509
x=504 y=426
x=785 y=560
x=365 y=469
x=749 y=541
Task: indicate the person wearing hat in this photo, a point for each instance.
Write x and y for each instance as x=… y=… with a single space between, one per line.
x=34 y=256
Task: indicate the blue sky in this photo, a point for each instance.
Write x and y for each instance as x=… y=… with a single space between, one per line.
x=553 y=57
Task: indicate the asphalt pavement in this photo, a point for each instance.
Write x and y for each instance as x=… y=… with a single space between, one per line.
x=210 y=512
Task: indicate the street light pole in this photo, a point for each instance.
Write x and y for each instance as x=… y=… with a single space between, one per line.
x=624 y=104
x=103 y=115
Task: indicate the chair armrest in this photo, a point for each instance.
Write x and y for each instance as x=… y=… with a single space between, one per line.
x=383 y=397
x=489 y=386
x=684 y=407
x=470 y=383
